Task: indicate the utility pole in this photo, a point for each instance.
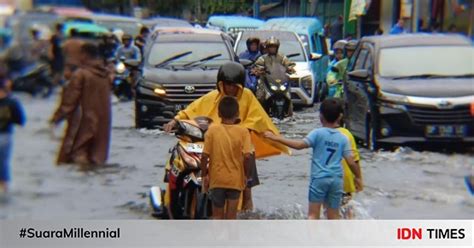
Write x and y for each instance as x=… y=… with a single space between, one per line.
x=198 y=10
x=256 y=8
x=414 y=16
x=471 y=20
x=303 y=7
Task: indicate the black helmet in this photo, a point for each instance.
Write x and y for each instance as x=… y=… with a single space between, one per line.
x=272 y=41
x=251 y=40
x=231 y=72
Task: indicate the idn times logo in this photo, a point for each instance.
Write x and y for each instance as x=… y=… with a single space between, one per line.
x=405 y=233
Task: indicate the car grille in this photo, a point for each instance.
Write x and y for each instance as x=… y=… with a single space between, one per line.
x=176 y=92
x=295 y=82
x=432 y=115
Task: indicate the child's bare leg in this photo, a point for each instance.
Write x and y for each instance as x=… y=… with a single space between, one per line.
x=314 y=211
x=247 y=204
x=231 y=211
x=217 y=213
x=333 y=213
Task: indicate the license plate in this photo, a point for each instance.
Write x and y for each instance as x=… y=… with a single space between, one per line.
x=179 y=107
x=446 y=131
x=195 y=148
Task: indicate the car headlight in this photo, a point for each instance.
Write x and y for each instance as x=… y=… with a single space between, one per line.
x=274 y=87
x=283 y=88
x=120 y=68
x=159 y=91
x=393 y=97
x=152 y=89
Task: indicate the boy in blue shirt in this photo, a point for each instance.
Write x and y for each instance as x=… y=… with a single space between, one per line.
x=329 y=148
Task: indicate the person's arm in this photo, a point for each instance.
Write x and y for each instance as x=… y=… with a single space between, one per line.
x=355 y=168
x=138 y=53
x=205 y=159
x=295 y=144
x=247 y=152
x=70 y=99
x=288 y=64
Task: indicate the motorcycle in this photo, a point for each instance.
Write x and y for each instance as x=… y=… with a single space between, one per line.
x=124 y=79
x=183 y=197
x=274 y=93
x=34 y=79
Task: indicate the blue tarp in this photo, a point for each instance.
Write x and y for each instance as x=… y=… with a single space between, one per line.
x=73 y=3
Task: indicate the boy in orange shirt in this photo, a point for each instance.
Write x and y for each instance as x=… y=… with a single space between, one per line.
x=227 y=149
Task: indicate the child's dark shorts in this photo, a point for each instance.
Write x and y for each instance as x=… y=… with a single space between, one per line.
x=219 y=196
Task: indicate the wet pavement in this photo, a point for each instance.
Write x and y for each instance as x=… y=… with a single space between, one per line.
x=399 y=184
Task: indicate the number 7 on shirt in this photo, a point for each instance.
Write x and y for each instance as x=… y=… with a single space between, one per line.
x=331 y=153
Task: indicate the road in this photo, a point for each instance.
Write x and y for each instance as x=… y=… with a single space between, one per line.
x=403 y=184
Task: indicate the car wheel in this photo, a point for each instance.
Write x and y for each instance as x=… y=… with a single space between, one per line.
x=139 y=123
x=371 y=135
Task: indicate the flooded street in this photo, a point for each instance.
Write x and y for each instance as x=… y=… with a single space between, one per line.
x=404 y=184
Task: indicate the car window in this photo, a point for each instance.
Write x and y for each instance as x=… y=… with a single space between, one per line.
x=314 y=44
x=360 y=61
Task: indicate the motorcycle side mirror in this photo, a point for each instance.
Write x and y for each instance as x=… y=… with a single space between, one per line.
x=315 y=56
x=246 y=62
x=359 y=74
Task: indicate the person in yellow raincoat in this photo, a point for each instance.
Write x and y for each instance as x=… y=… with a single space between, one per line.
x=230 y=82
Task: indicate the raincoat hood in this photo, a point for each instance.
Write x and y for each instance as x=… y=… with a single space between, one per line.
x=252 y=116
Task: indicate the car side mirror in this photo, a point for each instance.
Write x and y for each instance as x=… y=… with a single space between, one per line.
x=315 y=56
x=359 y=74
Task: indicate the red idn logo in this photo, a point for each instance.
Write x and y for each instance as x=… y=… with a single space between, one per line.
x=472 y=108
x=409 y=233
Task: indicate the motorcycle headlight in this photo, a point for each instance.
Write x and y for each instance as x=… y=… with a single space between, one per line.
x=274 y=87
x=120 y=68
x=192 y=131
x=283 y=88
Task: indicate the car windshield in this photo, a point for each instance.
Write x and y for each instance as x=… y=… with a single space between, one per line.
x=428 y=60
x=164 y=50
x=289 y=43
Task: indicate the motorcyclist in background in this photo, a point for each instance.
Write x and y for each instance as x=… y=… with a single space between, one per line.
x=266 y=61
x=127 y=50
x=132 y=55
x=338 y=49
x=338 y=72
x=252 y=54
x=140 y=40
